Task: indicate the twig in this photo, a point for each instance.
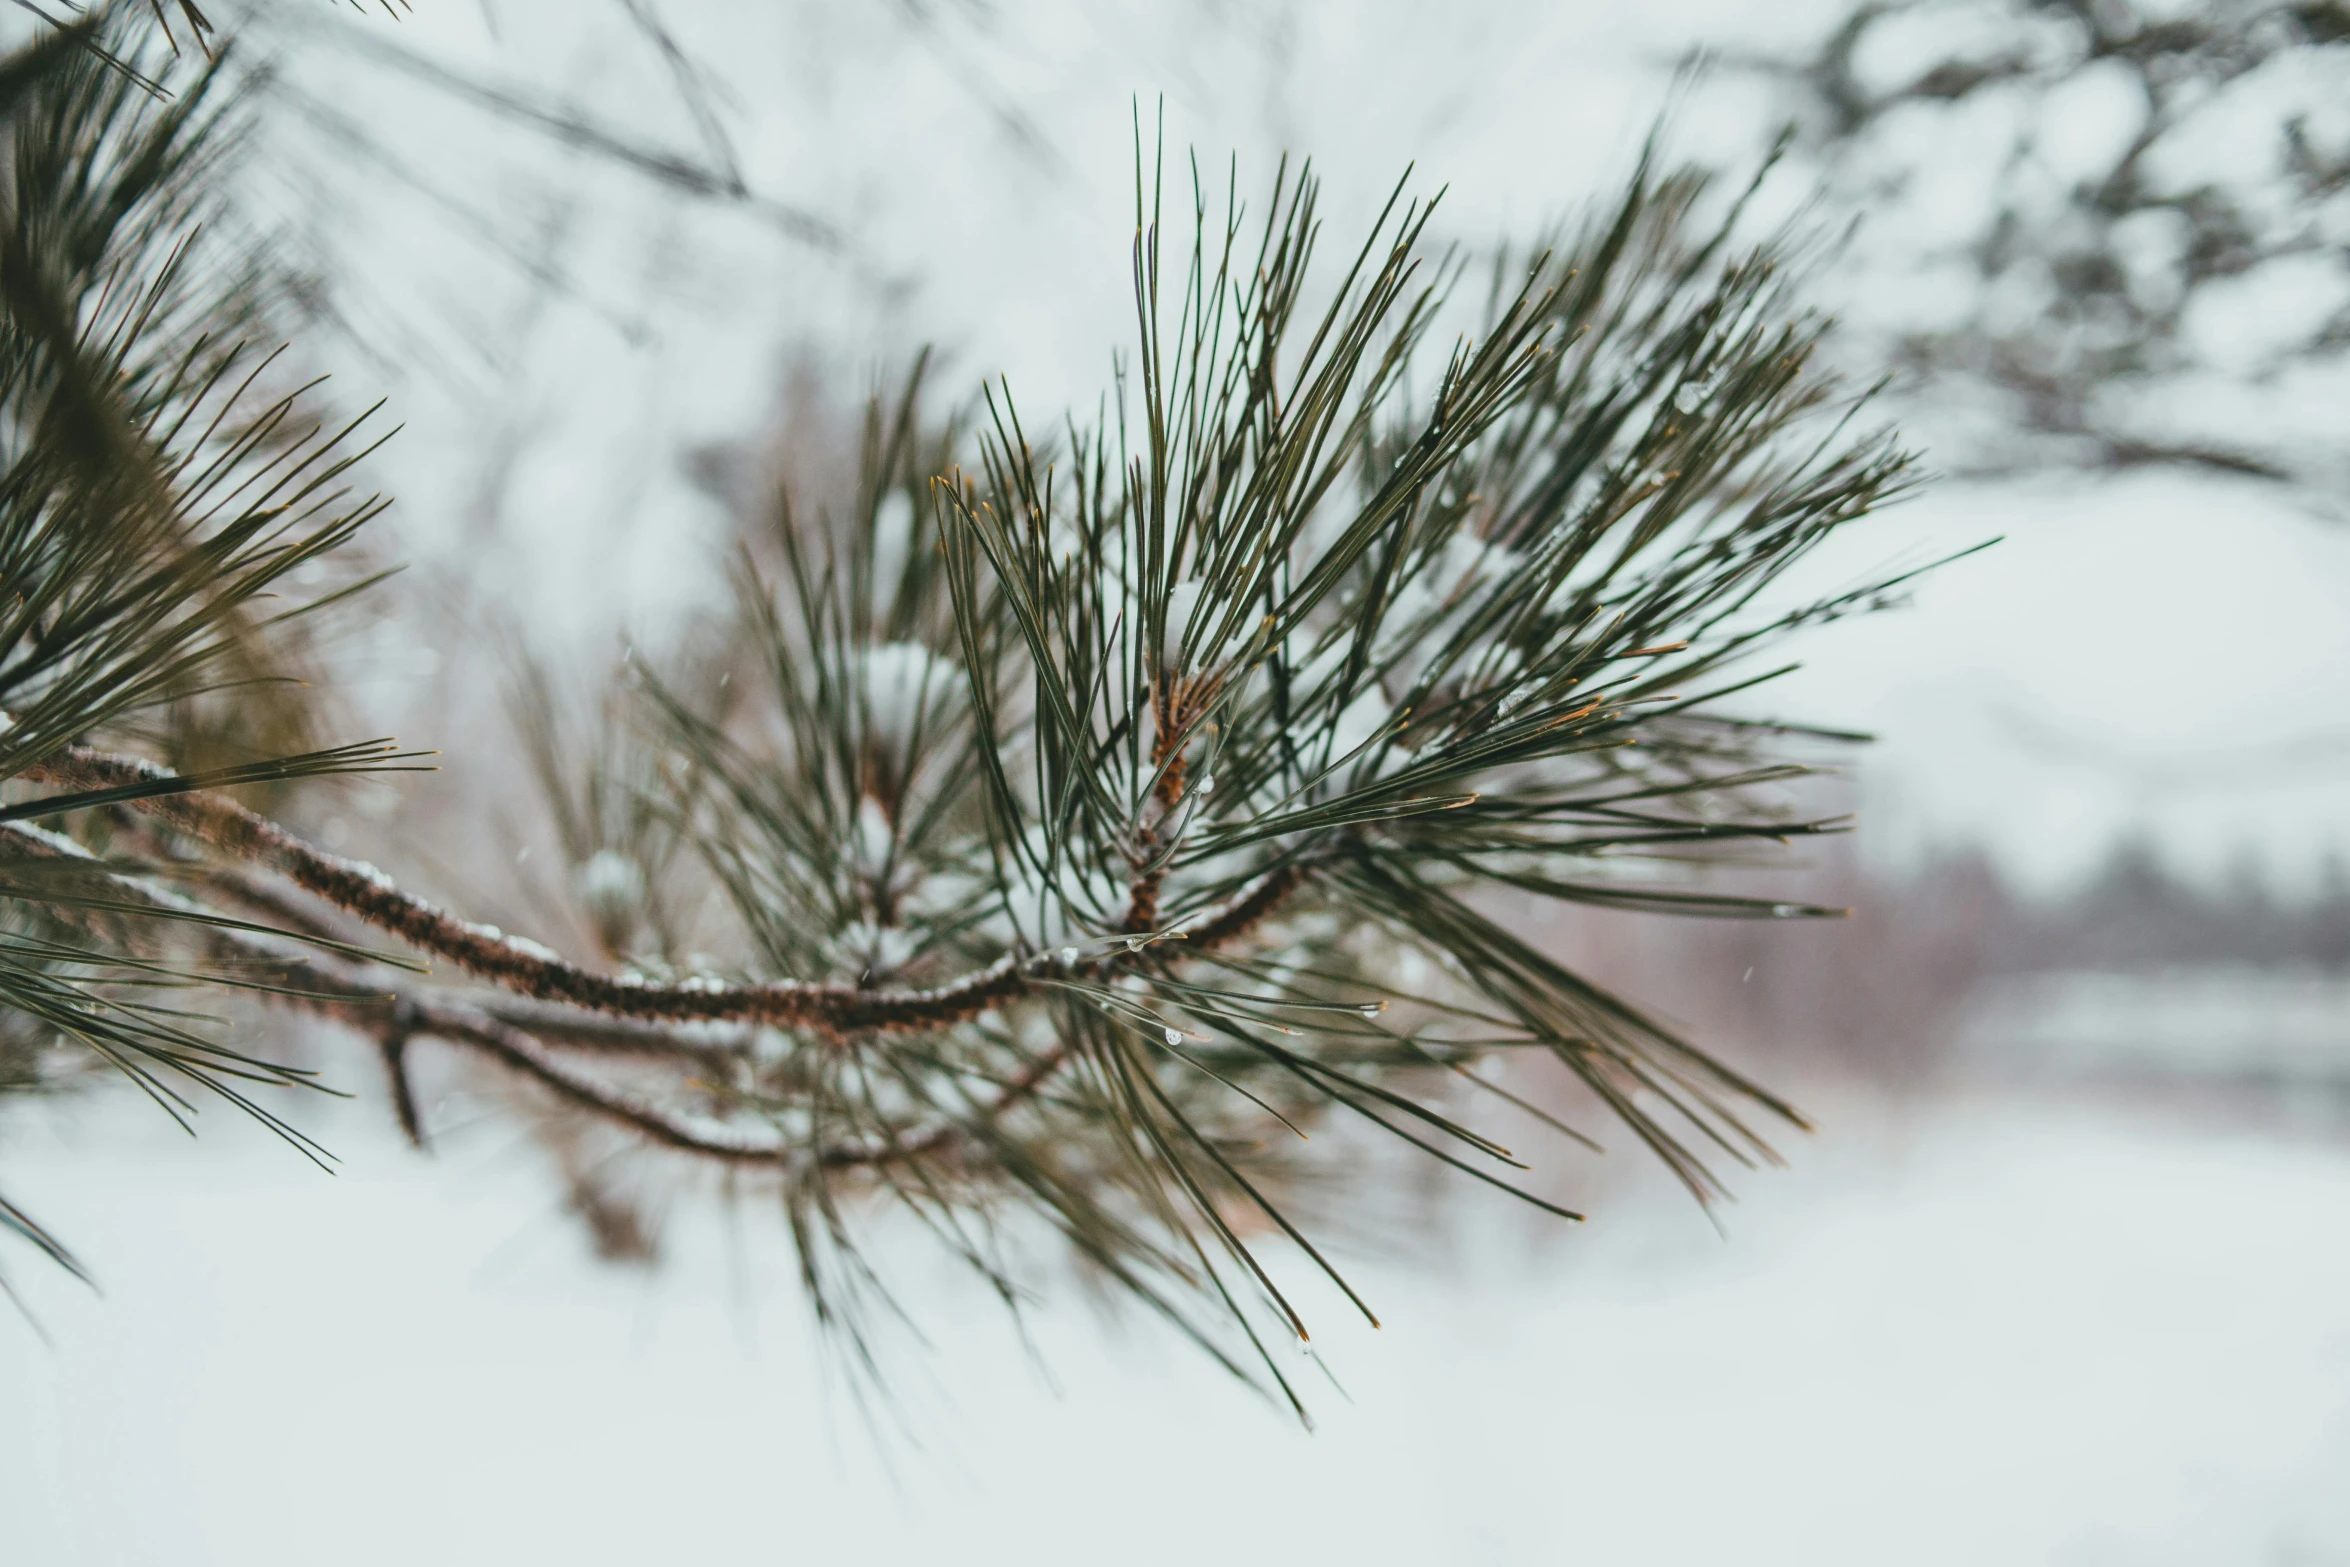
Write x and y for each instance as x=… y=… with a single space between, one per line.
x=529 y=969
x=513 y=1033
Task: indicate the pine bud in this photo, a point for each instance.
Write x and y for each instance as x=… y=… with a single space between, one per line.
x=612 y=892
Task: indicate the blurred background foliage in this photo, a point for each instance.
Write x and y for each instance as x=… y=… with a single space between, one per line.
x=2102 y=235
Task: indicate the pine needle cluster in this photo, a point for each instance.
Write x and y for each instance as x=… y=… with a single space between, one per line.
x=1099 y=811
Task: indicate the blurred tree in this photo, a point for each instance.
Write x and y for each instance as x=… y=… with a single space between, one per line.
x=2102 y=234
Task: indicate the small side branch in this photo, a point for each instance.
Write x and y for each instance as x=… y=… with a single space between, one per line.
x=392 y=1043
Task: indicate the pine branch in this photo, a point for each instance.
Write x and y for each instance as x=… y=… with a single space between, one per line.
x=514 y=1037
x=1096 y=813
x=532 y=969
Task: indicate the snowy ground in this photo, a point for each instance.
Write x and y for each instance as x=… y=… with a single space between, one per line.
x=2014 y=1331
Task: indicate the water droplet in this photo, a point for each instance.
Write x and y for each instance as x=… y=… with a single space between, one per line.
x=1068 y=957
x=1134 y=943
x=1786 y=911
x=1207 y=783
x=1690 y=396
x=1174 y=1036
x=1373 y=1009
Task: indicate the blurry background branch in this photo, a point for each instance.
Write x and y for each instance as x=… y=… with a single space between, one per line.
x=2102 y=235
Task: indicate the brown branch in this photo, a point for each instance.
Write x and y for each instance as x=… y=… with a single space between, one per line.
x=392 y=1018
x=515 y=1034
x=550 y=1022
x=525 y=967
x=393 y=1043
x=520 y=1053
x=547 y=995
x=515 y=1046
x=1244 y=913
x=1176 y=703
x=521 y=966
x=1233 y=921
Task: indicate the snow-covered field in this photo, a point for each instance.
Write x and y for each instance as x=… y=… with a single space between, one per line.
x=2006 y=1330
